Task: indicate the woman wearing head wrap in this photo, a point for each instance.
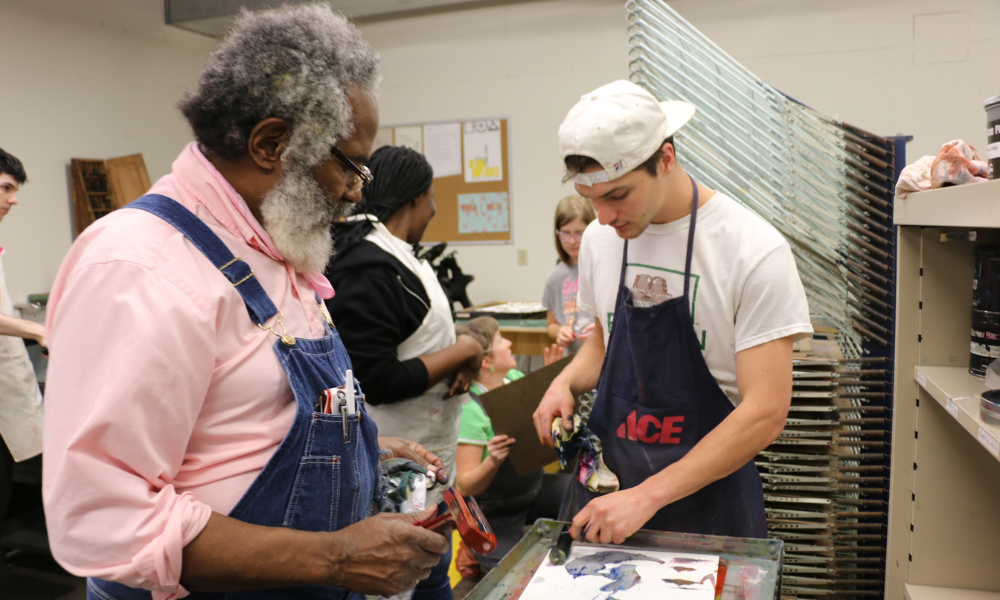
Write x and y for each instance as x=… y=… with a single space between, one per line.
x=395 y=319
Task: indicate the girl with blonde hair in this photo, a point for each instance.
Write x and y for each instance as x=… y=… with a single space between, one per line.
x=568 y=326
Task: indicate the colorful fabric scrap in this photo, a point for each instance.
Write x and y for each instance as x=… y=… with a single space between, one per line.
x=593 y=472
x=405 y=483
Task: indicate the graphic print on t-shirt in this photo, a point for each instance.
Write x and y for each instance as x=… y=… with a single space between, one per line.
x=570 y=288
x=652 y=285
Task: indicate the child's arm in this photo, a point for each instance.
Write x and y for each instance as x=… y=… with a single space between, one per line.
x=475 y=474
x=560 y=334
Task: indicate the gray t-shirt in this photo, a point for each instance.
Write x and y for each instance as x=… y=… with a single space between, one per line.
x=560 y=297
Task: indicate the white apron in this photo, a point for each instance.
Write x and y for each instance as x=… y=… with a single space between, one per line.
x=20 y=398
x=429 y=419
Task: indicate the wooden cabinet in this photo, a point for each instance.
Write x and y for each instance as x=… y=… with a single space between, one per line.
x=100 y=187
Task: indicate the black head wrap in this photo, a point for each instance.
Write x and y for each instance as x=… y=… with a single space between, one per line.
x=400 y=175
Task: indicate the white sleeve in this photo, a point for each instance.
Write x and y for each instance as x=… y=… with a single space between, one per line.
x=772 y=304
x=586 y=299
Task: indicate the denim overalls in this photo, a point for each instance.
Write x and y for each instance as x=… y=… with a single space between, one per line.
x=324 y=475
x=656 y=399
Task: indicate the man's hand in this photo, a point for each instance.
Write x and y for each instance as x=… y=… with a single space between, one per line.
x=400 y=448
x=579 y=375
x=557 y=402
x=612 y=518
x=385 y=554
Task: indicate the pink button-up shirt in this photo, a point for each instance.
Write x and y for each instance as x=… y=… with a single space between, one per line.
x=163 y=400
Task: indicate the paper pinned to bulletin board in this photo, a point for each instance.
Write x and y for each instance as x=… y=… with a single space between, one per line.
x=471 y=161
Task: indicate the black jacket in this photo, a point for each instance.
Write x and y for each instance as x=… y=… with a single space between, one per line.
x=379 y=303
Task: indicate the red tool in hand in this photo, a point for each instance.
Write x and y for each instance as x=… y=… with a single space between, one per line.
x=464 y=512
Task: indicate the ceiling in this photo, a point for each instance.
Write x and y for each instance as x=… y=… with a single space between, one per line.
x=214 y=17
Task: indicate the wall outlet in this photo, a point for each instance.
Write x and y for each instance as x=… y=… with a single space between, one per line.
x=522 y=257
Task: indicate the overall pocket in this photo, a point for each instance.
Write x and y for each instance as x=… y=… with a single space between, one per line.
x=314 y=503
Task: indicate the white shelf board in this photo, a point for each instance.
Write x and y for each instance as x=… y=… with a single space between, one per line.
x=973 y=205
x=957 y=391
x=926 y=592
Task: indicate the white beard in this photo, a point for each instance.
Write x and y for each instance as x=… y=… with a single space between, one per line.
x=297 y=216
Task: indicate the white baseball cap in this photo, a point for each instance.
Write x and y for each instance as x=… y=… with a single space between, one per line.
x=620 y=125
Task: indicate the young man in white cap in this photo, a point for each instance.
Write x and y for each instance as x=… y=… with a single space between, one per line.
x=694 y=333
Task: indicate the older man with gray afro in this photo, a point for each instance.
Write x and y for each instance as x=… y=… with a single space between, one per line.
x=203 y=431
x=301 y=71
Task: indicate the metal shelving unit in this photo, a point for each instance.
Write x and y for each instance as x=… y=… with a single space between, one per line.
x=926 y=592
x=944 y=506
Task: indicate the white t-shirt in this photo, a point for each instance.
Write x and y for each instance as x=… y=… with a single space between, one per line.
x=745 y=287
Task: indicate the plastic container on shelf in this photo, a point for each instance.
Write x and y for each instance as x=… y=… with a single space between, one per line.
x=989 y=407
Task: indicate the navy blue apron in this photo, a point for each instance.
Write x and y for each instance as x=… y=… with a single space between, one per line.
x=657 y=398
x=324 y=475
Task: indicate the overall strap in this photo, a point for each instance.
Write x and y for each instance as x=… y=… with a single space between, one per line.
x=237 y=271
x=690 y=246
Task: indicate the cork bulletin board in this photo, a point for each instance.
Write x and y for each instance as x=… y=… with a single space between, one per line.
x=471 y=160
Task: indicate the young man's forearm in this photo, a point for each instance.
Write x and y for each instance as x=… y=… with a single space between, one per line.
x=764 y=374
x=732 y=444
x=584 y=370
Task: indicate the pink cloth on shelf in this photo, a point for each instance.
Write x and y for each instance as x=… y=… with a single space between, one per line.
x=956 y=163
x=164 y=400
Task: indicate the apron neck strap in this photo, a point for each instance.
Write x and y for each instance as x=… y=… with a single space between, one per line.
x=690 y=243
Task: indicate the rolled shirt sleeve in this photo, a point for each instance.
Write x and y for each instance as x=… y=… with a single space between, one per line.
x=132 y=358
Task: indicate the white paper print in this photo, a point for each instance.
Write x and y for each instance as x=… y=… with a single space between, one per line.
x=482 y=151
x=483 y=213
x=411 y=137
x=443 y=148
x=603 y=572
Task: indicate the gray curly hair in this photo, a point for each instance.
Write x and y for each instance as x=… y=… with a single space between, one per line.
x=295 y=63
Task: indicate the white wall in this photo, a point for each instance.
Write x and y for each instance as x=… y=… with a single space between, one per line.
x=920 y=67
x=917 y=67
x=83 y=80
x=528 y=61
x=100 y=79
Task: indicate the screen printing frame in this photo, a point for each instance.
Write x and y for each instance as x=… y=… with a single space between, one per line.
x=512 y=575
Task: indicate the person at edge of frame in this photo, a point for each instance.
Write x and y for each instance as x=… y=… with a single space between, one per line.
x=396 y=321
x=183 y=451
x=692 y=348
x=20 y=397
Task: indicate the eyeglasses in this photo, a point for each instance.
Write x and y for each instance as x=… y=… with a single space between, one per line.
x=363 y=176
x=569 y=236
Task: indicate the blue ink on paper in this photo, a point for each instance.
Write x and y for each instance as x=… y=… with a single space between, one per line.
x=622 y=578
x=597 y=564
